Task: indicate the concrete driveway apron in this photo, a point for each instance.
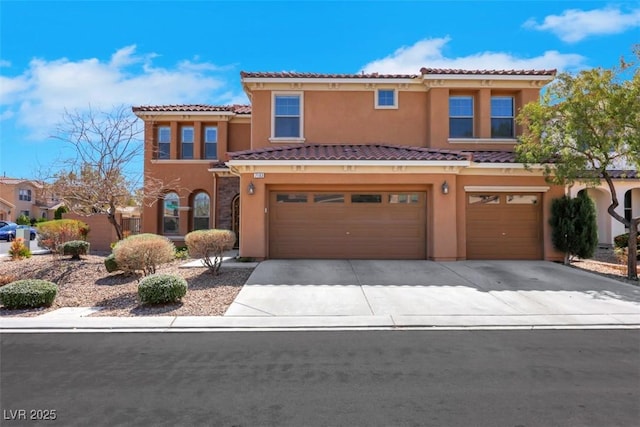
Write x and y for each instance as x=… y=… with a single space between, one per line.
x=427 y=288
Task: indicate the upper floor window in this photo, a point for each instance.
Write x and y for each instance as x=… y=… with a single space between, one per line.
x=164 y=142
x=502 y=118
x=24 y=195
x=201 y=211
x=386 y=98
x=210 y=142
x=186 y=140
x=287 y=116
x=461 y=117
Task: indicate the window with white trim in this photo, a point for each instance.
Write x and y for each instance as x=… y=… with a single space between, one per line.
x=502 y=117
x=628 y=206
x=461 y=117
x=386 y=98
x=164 y=142
x=24 y=195
x=186 y=142
x=287 y=116
x=211 y=142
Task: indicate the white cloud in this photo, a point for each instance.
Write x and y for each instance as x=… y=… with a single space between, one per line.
x=574 y=25
x=429 y=53
x=37 y=97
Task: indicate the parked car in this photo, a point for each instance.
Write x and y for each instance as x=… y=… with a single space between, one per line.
x=8 y=232
x=3 y=223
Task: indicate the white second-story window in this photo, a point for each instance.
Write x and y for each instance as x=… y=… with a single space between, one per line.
x=287 y=116
x=386 y=98
x=461 y=117
x=210 y=142
x=24 y=195
x=502 y=117
x=164 y=142
x=186 y=142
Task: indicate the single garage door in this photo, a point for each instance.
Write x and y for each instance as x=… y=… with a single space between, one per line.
x=504 y=226
x=347 y=224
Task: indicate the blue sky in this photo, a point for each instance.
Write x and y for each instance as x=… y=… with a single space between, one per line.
x=72 y=54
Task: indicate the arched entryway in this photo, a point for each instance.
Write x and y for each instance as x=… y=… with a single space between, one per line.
x=602 y=200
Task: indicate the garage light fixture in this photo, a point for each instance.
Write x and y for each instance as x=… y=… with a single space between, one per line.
x=445 y=188
x=251 y=189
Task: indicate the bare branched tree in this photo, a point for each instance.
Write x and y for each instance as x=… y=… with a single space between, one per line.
x=103 y=174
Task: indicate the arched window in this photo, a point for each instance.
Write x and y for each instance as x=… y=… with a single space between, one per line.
x=171 y=214
x=201 y=211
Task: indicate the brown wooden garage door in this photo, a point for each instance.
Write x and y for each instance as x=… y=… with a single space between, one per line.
x=504 y=226
x=343 y=224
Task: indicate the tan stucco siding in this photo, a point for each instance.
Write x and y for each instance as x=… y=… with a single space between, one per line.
x=239 y=137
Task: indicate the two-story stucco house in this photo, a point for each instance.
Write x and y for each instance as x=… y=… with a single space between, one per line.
x=371 y=166
x=25 y=197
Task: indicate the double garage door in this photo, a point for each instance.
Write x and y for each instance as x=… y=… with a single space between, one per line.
x=392 y=225
x=347 y=224
x=504 y=226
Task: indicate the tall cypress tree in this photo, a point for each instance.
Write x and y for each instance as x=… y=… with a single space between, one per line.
x=574 y=230
x=585 y=226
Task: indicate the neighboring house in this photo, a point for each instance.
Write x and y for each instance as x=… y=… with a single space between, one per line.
x=356 y=166
x=25 y=197
x=627 y=188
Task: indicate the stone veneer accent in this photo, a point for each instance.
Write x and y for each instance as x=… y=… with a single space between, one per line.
x=228 y=187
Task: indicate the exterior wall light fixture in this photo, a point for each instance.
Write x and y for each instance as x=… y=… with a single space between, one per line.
x=251 y=189
x=445 y=188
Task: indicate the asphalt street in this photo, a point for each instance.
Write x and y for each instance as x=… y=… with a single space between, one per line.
x=307 y=378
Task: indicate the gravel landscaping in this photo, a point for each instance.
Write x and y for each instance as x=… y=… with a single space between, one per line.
x=86 y=283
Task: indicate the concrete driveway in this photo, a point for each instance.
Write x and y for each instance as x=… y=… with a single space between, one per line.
x=524 y=291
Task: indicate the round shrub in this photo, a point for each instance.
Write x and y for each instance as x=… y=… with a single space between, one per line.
x=75 y=248
x=161 y=289
x=210 y=246
x=143 y=252
x=110 y=263
x=30 y=293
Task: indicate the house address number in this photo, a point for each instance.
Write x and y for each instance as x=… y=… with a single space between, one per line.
x=258 y=174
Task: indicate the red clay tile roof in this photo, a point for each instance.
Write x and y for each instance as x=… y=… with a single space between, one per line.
x=493 y=156
x=624 y=174
x=488 y=72
x=348 y=152
x=237 y=109
x=296 y=75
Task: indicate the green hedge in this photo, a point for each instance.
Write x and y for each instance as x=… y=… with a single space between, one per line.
x=161 y=289
x=75 y=248
x=111 y=264
x=30 y=293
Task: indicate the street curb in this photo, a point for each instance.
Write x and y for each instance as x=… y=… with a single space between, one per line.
x=282 y=323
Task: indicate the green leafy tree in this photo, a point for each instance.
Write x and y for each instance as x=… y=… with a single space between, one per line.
x=585 y=125
x=23 y=220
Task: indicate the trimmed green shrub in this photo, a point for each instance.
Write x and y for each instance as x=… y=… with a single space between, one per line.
x=110 y=263
x=58 y=212
x=52 y=234
x=23 y=220
x=622 y=241
x=143 y=253
x=182 y=252
x=30 y=293
x=75 y=248
x=210 y=245
x=162 y=289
